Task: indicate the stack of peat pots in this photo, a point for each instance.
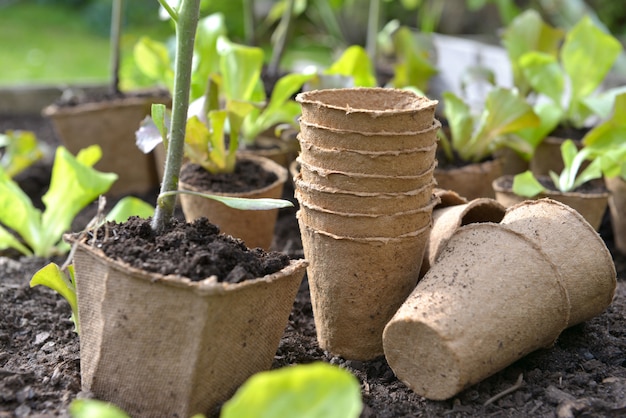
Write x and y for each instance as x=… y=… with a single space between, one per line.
x=365 y=190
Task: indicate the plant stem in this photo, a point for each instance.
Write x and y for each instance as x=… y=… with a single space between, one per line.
x=248 y=22
x=373 y=23
x=186 y=25
x=116 y=29
x=282 y=32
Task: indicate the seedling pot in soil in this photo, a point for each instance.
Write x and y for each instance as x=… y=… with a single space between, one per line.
x=359 y=182
x=352 y=139
x=585 y=263
x=357 y=284
x=591 y=202
x=281 y=151
x=369 y=109
x=112 y=125
x=254 y=227
x=446 y=220
x=471 y=181
x=386 y=163
x=164 y=345
x=547 y=156
x=491 y=297
x=362 y=202
x=617 y=206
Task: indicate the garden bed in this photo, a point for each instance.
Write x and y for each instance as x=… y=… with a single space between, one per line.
x=584 y=374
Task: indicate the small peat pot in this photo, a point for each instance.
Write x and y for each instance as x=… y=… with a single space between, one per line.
x=491 y=297
x=617 y=206
x=167 y=346
x=471 y=181
x=372 y=110
x=591 y=203
x=254 y=227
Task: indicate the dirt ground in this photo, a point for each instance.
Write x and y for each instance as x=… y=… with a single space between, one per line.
x=583 y=375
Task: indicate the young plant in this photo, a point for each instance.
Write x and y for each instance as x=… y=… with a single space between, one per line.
x=73 y=185
x=560 y=73
x=18 y=150
x=475 y=137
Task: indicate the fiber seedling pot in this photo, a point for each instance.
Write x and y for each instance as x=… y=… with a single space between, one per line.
x=254 y=227
x=366 y=225
x=359 y=182
x=385 y=163
x=166 y=346
x=356 y=285
x=617 y=206
x=447 y=220
x=112 y=125
x=471 y=181
x=369 y=109
x=362 y=202
x=363 y=141
x=586 y=265
x=492 y=297
x=591 y=205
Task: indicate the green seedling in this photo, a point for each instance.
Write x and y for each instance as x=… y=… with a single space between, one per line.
x=18 y=151
x=476 y=137
x=73 y=185
x=317 y=390
x=560 y=72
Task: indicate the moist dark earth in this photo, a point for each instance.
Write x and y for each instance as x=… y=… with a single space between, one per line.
x=583 y=375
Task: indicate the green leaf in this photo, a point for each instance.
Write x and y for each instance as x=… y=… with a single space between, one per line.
x=240 y=66
x=544 y=74
x=153 y=60
x=317 y=390
x=54 y=278
x=460 y=119
x=413 y=67
x=8 y=240
x=241 y=203
x=130 y=206
x=505 y=112
x=587 y=55
x=354 y=62
x=73 y=185
x=21 y=150
x=93 y=408
x=550 y=117
x=602 y=104
x=207 y=58
x=525 y=184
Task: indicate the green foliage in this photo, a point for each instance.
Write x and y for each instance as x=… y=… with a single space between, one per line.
x=93 y=408
x=18 y=150
x=53 y=277
x=562 y=72
x=73 y=185
x=306 y=391
x=413 y=67
x=475 y=137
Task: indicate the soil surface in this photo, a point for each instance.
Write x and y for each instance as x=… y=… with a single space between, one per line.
x=583 y=375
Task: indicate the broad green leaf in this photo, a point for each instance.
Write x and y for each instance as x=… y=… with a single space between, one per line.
x=240 y=66
x=587 y=56
x=8 y=240
x=525 y=184
x=317 y=390
x=206 y=57
x=505 y=112
x=153 y=60
x=237 y=202
x=354 y=62
x=54 y=278
x=550 y=117
x=544 y=74
x=602 y=104
x=592 y=172
x=93 y=408
x=73 y=186
x=18 y=213
x=413 y=68
x=197 y=141
x=21 y=149
x=528 y=32
x=130 y=206
x=460 y=120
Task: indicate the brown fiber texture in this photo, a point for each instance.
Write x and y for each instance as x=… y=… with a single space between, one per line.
x=585 y=263
x=363 y=141
x=357 y=285
x=111 y=125
x=617 y=206
x=369 y=109
x=254 y=227
x=162 y=346
x=492 y=297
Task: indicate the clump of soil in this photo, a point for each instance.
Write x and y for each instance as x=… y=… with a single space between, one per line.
x=194 y=250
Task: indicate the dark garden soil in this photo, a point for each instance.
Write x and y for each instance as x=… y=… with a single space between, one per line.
x=583 y=375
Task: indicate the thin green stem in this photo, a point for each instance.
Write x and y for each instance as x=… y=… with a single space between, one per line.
x=173 y=13
x=116 y=29
x=282 y=32
x=373 y=23
x=186 y=26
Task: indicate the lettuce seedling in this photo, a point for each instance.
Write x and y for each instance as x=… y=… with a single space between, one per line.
x=18 y=151
x=316 y=390
x=73 y=185
x=560 y=73
x=476 y=137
